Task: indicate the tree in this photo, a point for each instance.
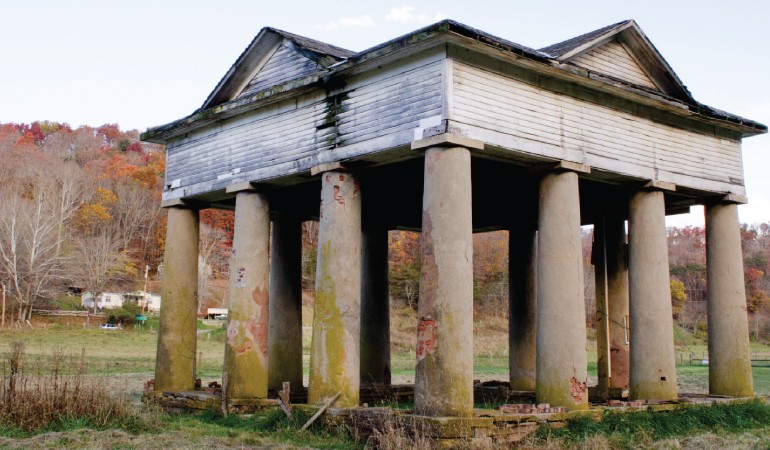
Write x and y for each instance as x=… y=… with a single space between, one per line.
x=678 y=297
x=213 y=261
x=32 y=222
x=101 y=262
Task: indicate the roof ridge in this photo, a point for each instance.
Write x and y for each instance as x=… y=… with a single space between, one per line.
x=566 y=46
x=314 y=44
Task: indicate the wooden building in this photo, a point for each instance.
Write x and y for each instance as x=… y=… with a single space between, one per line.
x=450 y=130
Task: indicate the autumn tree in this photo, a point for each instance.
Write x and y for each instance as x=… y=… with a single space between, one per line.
x=404 y=265
x=33 y=220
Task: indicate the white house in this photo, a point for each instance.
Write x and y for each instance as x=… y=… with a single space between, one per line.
x=216 y=313
x=111 y=300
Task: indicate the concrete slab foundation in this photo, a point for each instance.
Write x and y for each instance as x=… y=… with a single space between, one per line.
x=503 y=425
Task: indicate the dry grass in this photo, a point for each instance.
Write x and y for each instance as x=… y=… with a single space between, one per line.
x=50 y=392
x=394 y=433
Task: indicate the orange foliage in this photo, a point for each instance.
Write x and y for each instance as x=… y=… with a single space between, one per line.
x=98 y=210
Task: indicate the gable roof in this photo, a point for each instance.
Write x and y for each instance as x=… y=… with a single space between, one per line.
x=259 y=51
x=331 y=60
x=636 y=43
x=564 y=47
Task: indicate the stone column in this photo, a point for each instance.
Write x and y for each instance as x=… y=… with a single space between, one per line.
x=611 y=305
x=375 y=306
x=653 y=369
x=284 y=335
x=444 y=372
x=522 y=302
x=175 y=358
x=561 y=329
x=728 y=334
x=335 y=349
x=245 y=369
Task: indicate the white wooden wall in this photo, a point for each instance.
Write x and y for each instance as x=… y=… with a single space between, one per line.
x=505 y=112
x=390 y=106
x=284 y=65
x=613 y=59
x=380 y=109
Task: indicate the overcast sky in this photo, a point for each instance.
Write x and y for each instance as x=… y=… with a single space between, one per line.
x=144 y=63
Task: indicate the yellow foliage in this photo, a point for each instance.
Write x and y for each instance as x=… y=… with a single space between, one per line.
x=98 y=211
x=678 y=296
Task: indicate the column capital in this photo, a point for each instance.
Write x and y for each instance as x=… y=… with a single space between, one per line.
x=658 y=185
x=246 y=186
x=326 y=167
x=563 y=166
x=447 y=140
x=727 y=198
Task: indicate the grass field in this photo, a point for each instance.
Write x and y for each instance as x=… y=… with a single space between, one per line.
x=125 y=359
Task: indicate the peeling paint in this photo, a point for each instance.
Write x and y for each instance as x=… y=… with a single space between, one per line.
x=338 y=196
x=259 y=328
x=426 y=337
x=429 y=274
x=577 y=390
x=241 y=278
x=430 y=160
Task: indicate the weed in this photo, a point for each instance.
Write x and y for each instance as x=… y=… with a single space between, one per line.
x=626 y=430
x=53 y=394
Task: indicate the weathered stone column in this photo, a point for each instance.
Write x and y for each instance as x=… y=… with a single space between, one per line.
x=653 y=369
x=175 y=358
x=335 y=349
x=375 y=306
x=561 y=329
x=613 y=358
x=522 y=302
x=284 y=336
x=444 y=372
x=245 y=370
x=728 y=334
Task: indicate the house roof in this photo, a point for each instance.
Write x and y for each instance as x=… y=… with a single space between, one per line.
x=564 y=47
x=260 y=48
x=315 y=46
x=332 y=59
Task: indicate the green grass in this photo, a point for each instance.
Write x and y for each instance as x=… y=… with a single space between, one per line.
x=273 y=426
x=626 y=430
x=204 y=430
x=128 y=356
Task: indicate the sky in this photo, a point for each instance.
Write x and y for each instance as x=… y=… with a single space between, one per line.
x=144 y=63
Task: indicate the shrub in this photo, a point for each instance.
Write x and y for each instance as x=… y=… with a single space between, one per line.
x=50 y=393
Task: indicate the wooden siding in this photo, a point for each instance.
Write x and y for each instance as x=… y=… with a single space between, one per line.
x=515 y=115
x=613 y=59
x=372 y=112
x=393 y=101
x=284 y=65
x=256 y=145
